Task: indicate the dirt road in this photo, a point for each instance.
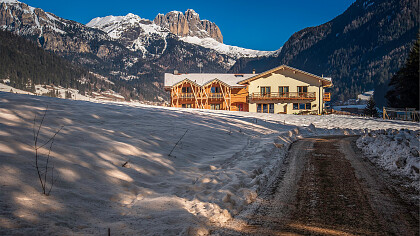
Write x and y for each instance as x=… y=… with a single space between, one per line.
x=327 y=188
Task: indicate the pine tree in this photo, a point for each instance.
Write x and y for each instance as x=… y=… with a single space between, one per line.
x=370 y=109
x=404 y=84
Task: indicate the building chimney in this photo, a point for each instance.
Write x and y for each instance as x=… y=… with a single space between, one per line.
x=175 y=72
x=253 y=71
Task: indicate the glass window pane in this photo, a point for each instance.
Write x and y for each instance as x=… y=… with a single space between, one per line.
x=265 y=108
x=301 y=106
x=295 y=106
x=308 y=106
x=259 y=108
x=271 y=108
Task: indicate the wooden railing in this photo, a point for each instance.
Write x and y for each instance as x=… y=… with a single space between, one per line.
x=191 y=96
x=216 y=95
x=186 y=96
x=327 y=97
x=281 y=96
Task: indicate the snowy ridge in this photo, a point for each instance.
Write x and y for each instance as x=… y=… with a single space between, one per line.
x=41 y=22
x=233 y=51
x=116 y=26
x=10 y=1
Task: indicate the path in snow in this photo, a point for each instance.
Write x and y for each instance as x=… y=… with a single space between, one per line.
x=328 y=189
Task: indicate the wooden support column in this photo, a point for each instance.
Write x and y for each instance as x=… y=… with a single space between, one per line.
x=224 y=97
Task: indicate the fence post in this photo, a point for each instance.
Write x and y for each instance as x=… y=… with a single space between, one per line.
x=383 y=113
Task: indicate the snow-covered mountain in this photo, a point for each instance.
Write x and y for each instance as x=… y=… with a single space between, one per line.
x=233 y=51
x=128 y=50
x=137 y=33
x=134 y=32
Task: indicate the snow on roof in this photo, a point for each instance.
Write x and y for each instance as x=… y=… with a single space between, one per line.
x=202 y=79
x=257 y=76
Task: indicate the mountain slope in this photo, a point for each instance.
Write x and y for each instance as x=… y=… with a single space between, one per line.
x=360 y=49
x=136 y=59
x=137 y=33
x=25 y=65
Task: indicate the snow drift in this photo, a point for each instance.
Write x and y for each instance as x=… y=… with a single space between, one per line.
x=214 y=172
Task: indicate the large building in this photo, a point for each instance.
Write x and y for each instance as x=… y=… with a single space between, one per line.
x=283 y=89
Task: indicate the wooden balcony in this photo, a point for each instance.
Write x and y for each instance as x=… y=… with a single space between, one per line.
x=283 y=96
x=215 y=96
x=327 y=97
x=186 y=96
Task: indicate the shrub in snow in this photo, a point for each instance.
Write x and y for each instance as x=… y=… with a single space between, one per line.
x=396 y=151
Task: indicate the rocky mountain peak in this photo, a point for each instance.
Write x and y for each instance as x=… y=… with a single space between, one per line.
x=188 y=24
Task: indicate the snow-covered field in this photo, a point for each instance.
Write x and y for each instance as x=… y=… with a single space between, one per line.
x=214 y=172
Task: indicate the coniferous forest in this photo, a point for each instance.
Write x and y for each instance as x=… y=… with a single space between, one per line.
x=404 y=85
x=25 y=64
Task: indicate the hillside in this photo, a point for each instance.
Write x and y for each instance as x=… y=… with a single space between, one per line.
x=128 y=50
x=217 y=170
x=360 y=49
x=25 y=65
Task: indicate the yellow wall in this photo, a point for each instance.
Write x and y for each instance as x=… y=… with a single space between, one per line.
x=286 y=77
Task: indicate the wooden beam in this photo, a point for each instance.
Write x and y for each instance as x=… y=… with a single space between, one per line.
x=224 y=98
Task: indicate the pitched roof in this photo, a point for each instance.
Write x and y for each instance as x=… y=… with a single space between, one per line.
x=327 y=81
x=202 y=79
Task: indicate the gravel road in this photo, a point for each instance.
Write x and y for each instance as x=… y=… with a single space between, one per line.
x=325 y=187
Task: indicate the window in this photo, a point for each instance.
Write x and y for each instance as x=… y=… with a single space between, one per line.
x=186 y=105
x=302 y=106
x=265 y=91
x=283 y=89
x=271 y=108
x=302 y=89
x=265 y=108
x=215 y=89
x=186 y=90
x=215 y=106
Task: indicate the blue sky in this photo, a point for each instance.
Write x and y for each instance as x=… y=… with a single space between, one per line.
x=258 y=24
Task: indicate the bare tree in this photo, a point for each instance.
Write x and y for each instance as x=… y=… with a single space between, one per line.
x=46 y=184
x=176 y=144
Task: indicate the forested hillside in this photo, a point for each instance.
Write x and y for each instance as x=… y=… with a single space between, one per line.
x=360 y=49
x=25 y=64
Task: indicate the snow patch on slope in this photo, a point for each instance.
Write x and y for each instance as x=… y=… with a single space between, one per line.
x=115 y=26
x=233 y=51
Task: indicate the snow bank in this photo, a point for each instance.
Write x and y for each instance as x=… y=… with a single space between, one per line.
x=214 y=172
x=396 y=151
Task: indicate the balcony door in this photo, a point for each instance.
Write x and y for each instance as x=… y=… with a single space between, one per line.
x=265 y=91
x=265 y=108
x=283 y=91
x=302 y=89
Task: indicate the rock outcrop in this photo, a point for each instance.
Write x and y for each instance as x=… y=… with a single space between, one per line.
x=188 y=25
